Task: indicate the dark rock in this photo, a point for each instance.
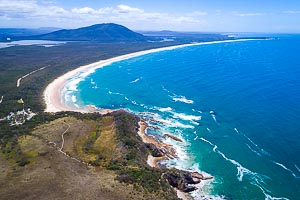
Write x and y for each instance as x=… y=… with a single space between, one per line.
x=181 y=180
x=188 y=188
x=199 y=176
x=173 y=179
x=173 y=137
x=155 y=152
x=188 y=178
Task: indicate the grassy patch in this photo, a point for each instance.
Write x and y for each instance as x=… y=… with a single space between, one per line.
x=99 y=147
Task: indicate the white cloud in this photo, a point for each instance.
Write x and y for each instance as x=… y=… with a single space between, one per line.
x=48 y=14
x=127 y=9
x=17 y=5
x=197 y=14
x=84 y=10
x=186 y=20
x=247 y=14
x=20 y=9
x=292 y=12
x=91 y=11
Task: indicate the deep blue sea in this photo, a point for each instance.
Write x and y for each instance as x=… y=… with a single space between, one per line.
x=236 y=106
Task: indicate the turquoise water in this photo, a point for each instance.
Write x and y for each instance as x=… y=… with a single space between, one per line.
x=236 y=105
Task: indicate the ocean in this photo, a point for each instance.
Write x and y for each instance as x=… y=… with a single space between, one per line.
x=236 y=106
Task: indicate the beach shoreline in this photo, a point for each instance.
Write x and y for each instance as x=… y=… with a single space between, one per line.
x=54 y=100
x=53 y=93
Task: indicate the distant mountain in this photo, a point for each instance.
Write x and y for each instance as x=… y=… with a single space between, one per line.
x=12 y=33
x=100 y=32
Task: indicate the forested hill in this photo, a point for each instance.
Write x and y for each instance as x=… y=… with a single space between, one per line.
x=100 y=32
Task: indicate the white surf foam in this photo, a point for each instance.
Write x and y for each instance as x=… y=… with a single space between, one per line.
x=163 y=109
x=203 y=139
x=165 y=89
x=268 y=196
x=180 y=149
x=213 y=115
x=286 y=168
x=180 y=125
x=72 y=84
x=255 y=178
x=253 y=150
x=204 y=187
x=186 y=117
x=74 y=99
x=235 y=129
x=199 y=111
x=95 y=86
x=82 y=72
x=115 y=93
x=136 y=80
x=183 y=99
x=93 y=82
x=195 y=123
x=207 y=197
x=262 y=151
x=208 y=130
x=241 y=170
x=173 y=123
x=297 y=168
x=250 y=140
x=265 y=152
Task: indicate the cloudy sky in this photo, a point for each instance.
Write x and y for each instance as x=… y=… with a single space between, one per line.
x=183 y=15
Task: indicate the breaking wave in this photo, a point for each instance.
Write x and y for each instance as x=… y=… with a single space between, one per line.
x=186 y=117
x=183 y=99
x=163 y=109
x=74 y=99
x=136 y=80
x=287 y=169
x=255 y=178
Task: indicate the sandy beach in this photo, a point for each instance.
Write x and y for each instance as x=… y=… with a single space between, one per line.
x=55 y=102
x=151 y=161
x=53 y=94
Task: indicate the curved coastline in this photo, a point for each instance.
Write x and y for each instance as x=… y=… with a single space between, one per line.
x=53 y=94
x=55 y=101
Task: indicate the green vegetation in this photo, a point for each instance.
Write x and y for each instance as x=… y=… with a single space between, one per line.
x=108 y=143
x=15 y=62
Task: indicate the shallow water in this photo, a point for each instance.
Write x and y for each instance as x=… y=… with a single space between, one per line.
x=44 y=43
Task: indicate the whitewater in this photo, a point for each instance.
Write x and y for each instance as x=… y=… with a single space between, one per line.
x=235 y=106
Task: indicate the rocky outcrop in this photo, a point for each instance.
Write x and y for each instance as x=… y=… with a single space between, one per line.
x=183 y=180
x=173 y=137
x=155 y=152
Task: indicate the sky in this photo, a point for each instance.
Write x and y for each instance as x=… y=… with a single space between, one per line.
x=277 y=16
